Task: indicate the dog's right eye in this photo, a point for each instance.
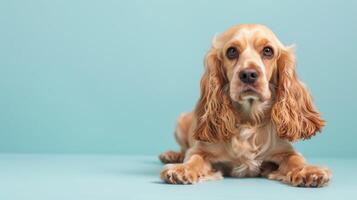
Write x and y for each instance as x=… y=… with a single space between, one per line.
x=232 y=53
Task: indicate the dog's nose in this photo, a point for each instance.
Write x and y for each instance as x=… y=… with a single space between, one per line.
x=248 y=76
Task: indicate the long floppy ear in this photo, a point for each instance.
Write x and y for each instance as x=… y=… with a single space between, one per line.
x=294 y=114
x=216 y=119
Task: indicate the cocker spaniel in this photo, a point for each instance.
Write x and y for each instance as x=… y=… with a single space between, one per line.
x=251 y=107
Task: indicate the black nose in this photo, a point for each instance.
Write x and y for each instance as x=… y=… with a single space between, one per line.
x=248 y=76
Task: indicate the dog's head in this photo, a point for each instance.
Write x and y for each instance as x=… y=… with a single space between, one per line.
x=250 y=74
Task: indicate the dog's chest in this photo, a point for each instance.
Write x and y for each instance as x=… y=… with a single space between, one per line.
x=246 y=150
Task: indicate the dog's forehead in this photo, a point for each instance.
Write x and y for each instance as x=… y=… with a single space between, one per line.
x=246 y=34
x=252 y=33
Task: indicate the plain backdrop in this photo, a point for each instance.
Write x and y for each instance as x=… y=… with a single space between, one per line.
x=108 y=76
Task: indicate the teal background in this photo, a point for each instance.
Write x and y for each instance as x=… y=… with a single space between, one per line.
x=112 y=76
x=135 y=177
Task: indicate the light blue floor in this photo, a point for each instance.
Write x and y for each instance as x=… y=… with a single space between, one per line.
x=106 y=177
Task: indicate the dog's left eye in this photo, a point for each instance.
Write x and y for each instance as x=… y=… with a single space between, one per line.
x=232 y=53
x=268 y=52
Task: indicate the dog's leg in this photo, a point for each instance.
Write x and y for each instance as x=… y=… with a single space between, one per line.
x=172 y=157
x=294 y=171
x=193 y=170
x=181 y=134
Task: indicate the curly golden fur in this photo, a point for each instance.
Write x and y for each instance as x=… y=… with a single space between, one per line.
x=251 y=106
x=215 y=113
x=293 y=113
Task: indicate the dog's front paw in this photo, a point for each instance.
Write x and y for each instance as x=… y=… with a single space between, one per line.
x=179 y=174
x=309 y=176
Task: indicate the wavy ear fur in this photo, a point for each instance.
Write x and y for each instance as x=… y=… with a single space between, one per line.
x=216 y=118
x=294 y=114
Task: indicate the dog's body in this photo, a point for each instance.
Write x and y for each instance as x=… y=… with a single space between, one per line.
x=251 y=107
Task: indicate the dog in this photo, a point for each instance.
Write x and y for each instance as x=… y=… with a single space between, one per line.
x=252 y=106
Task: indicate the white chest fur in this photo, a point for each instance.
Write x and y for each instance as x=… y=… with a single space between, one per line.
x=247 y=148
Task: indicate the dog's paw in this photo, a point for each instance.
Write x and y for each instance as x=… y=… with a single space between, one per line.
x=171 y=157
x=309 y=176
x=179 y=174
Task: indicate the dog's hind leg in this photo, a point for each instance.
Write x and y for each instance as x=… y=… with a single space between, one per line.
x=184 y=123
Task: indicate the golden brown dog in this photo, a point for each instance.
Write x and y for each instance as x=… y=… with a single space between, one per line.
x=251 y=107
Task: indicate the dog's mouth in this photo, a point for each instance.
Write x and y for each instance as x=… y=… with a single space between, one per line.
x=250 y=93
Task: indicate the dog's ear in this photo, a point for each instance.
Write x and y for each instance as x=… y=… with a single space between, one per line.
x=294 y=114
x=216 y=119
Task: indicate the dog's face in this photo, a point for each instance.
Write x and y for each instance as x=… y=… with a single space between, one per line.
x=248 y=65
x=249 y=56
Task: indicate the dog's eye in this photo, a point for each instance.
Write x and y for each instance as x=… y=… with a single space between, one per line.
x=232 y=53
x=268 y=52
